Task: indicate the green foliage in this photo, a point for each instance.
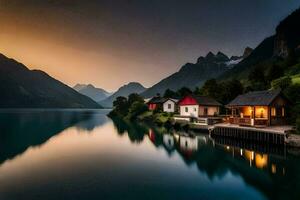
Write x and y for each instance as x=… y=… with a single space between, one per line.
x=136 y=109
x=170 y=94
x=184 y=91
x=292 y=70
x=257 y=78
x=223 y=92
x=281 y=83
x=230 y=90
x=296 y=79
x=210 y=88
x=132 y=98
x=120 y=106
x=274 y=72
x=130 y=107
x=293 y=94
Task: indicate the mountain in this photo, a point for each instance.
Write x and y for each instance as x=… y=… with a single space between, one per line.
x=125 y=90
x=78 y=86
x=24 y=88
x=287 y=35
x=263 y=52
x=283 y=44
x=193 y=75
x=97 y=94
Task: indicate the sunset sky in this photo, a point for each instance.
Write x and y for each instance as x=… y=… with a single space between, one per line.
x=110 y=43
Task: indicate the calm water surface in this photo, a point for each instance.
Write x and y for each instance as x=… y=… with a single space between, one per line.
x=72 y=154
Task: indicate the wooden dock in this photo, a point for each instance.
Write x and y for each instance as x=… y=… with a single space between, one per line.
x=272 y=135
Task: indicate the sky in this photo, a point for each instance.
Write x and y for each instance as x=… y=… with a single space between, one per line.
x=109 y=43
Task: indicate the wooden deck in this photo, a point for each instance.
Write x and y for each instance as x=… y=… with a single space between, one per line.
x=271 y=134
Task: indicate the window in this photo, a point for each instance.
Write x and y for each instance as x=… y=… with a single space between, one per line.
x=195 y=109
x=186 y=109
x=273 y=112
x=282 y=112
x=169 y=106
x=205 y=111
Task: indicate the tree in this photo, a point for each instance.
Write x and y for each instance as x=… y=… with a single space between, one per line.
x=136 y=109
x=274 y=72
x=184 y=91
x=134 y=97
x=170 y=94
x=257 y=74
x=210 y=88
x=230 y=90
x=121 y=106
x=282 y=83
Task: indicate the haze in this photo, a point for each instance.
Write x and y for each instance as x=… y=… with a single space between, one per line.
x=110 y=43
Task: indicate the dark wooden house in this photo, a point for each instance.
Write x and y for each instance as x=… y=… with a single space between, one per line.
x=259 y=108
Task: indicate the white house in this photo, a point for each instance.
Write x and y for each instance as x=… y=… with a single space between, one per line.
x=170 y=105
x=198 y=106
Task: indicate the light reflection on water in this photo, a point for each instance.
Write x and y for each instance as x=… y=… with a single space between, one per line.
x=84 y=155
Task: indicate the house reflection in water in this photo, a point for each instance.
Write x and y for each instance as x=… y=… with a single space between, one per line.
x=168 y=141
x=258 y=160
x=190 y=146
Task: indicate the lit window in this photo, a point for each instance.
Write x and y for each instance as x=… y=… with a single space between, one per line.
x=282 y=112
x=273 y=112
x=186 y=109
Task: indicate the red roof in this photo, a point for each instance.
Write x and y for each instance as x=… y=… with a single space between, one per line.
x=198 y=100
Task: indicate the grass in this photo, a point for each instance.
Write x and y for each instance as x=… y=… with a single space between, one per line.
x=296 y=79
x=161 y=117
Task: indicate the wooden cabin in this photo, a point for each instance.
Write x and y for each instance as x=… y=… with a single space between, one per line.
x=155 y=103
x=164 y=104
x=198 y=106
x=259 y=108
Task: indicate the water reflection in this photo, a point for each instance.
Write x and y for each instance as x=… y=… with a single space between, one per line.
x=85 y=155
x=21 y=129
x=270 y=169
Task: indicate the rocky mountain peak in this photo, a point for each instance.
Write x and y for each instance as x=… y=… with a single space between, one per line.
x=210 y=56
x=247 y=52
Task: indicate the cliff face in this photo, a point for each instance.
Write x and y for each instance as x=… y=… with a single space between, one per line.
x=281 y=48
x=287 y=35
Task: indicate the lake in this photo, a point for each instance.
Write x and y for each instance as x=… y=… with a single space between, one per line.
x=82 y=154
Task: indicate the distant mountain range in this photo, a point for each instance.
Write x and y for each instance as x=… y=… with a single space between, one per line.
x=280 y=46
x=195 y=74
x=125 y=90
x=285 y=42
x=97 y=94
x=24 y=88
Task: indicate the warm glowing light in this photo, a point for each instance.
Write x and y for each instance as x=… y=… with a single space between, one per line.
x=248 y=155
x=261 y=160
x=252 y=155
x=241 y=151
x=228 y=147
x=273 y=168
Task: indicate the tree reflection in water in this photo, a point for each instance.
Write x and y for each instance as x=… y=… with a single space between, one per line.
x=21 y=129
x=271 y=169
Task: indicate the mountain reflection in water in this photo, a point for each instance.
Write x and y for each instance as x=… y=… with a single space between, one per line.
x=73 y=154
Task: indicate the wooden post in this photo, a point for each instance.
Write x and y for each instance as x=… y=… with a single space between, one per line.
x=269 y=115
x=253 y=114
